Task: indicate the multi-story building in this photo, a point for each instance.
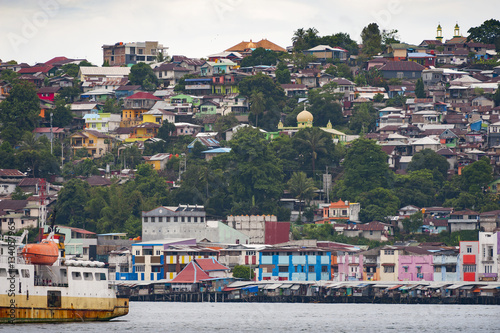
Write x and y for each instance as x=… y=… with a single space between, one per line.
x=261 y=229
x=148 y=259
x=134 y=106
x=469 y=253
x=488 y=253
x=120 y=54
x=186 y=221
x=446 y=265
x=389 y=262
x=95 y=143
x=240 y=254
x=463 y=220
x=102 y=122
x=294 y=264
x=341 y=211
x=179 y=256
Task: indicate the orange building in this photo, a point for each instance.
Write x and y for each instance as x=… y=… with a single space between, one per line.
x=135 y=106
x=340 y=210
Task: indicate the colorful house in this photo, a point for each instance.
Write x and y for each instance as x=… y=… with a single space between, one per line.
x=294 y=264
x=134 y=106
x=469 y=257
x=102 y=122
x=224 y=84
x=143 y=132
x=97 y=144
x=177 y=257
x=415 y=264
x=158 y=161
x=446 y=265
x=158 y=116
x=48 y=93
x=341 y=211
x=488 y=249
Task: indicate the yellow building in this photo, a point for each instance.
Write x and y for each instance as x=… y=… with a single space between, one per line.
x=134 y=106
x=158 y=161
x=97 y=144
x=389 y=263
x=142 y=132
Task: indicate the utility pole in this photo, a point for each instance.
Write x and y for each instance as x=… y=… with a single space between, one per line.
x=51 y=134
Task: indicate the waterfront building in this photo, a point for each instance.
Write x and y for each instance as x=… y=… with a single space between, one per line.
x=240 y=254
x=389 y=263
x=488 y=251
x=178 y=256
x=415 y=264
x=148 y=259
x=469 y=252
x=446 y=265
x=294 y=264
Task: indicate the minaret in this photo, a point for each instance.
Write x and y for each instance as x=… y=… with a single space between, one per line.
x=456 y=32
x=439 y=35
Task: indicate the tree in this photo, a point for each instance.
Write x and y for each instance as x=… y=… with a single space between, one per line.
x=71 y=202
x=377 y=204
x=62 y=115
x=21 y=109
x=111 y=105
x=389 y=37
x=29 y=154
x=8 y=159
x=301 y=188
x=371 y=39
x=496 y=96
x=477 y=176
x=257 y=106
x=419 y=88
x=298 y=40
x=344 y=71
x=365 y=168
x=430 y=160
x=142 y=74
x=487 y=33
x=315 y=141
x=413 y=222
x=378 y=98
x=85 y=63
x=71 y=69
x=282 y=73
x=8 y=75
x=260 y=56
x=18 y=194
x=364 y=119
x=243 y=272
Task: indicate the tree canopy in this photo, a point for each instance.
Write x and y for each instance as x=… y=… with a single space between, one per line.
x=487 y=33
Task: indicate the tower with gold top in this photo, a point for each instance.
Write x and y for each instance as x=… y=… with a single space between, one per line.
x=439 y=35
x=456 y=31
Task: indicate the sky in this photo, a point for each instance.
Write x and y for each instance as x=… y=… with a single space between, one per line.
x=37 y=30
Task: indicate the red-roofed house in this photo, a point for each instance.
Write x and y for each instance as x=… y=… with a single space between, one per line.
x=189 y=278
x=45 y=70
x=58 y=133
x=9 y=178
x=213 y=268
x=340 y=211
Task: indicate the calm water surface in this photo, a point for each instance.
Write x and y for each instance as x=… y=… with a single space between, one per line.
x=285 y=317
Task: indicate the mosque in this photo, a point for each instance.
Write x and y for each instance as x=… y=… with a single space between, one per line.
x=305 y=120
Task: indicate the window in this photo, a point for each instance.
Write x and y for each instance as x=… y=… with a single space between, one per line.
x=469 y=268
x=451 y=269
x=406 y=269
x=283 y=269
x=152 y=219
x=389 y=252
x=324 y=269
x=311 y=269
x=419 y=269
x=140 y=268
x=189 y=218
x=137 y=252
x=437 y=269
x=195 y=219
x=158 y=252
x=53 y=299
x=87 y=276
x=175 y=218
x=183 y=219
x=388 y=269
x=469 y=249
x=76 y=275
x=160 y=219
x=145 y=219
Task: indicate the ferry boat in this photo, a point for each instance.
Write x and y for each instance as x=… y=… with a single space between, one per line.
x=38 y=284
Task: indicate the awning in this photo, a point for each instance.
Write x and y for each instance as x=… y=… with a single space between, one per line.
x=383 y=285
x=454 y=286
x=469 y=287
x=388 y=264
x=286 y=285
x=362 y=285
x=395 y=287
x=490 y=286
x=408 y=287
x=273 y=286
x=295 y=287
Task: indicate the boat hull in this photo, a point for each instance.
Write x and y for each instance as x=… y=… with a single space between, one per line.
x=29 y=313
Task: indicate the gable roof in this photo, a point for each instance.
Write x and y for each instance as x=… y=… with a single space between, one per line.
x=35 y=69
x=105 y=71
x=11 y=173
x=192 y=273
x=242 y=46
x=211 y=264
x=98 y=181
x=29 y=182
x=143 y=95
x=410 y=66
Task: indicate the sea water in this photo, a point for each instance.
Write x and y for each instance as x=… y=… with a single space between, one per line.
x=286 y=317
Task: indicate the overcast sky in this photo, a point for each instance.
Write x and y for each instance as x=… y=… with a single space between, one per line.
x=38 y=30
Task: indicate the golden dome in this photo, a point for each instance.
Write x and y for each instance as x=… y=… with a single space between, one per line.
x=251 y=45
x=304 y=117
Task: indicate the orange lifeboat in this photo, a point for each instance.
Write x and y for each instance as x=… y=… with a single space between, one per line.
x=44 y=253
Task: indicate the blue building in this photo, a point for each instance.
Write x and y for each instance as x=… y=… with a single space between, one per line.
x=294 y=264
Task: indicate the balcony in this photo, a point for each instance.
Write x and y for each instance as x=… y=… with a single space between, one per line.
x=198 y=87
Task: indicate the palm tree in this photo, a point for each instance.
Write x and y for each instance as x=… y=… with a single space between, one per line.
x=298 y=38
x=30 y=151
x=301 y=188
x=313 y=138
x=257 y=105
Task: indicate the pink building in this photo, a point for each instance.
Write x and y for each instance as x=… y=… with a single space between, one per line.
x=350 y=266
x=416 y=265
